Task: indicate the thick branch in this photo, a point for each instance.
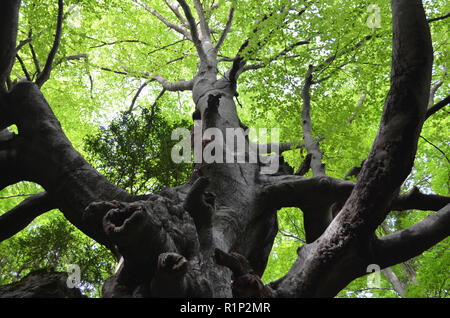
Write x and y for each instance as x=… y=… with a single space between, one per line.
x=390 y=161
x=412 y=241
x=181 y=85
x=9 y=168
x=318 y=169
x=194 y=32
x=200 y=205
x=45 y=75
x=9 y=14
x=20 y=216
x=204 y=27
x=246 y=284
x=419 y=201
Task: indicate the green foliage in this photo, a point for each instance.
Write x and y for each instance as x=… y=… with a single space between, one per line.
x=123 y=44
x=52 y=242
x=134 y=151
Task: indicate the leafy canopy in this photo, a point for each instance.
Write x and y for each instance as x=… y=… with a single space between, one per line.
x=109 y=49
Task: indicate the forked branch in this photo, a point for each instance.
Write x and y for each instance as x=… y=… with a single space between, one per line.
x=169 y=24
x=45 y=75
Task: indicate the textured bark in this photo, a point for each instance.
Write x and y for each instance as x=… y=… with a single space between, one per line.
x=195 y=239
x=41 y=284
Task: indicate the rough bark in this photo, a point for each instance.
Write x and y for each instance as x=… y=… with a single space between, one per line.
x=41 y=284
x=192 y=240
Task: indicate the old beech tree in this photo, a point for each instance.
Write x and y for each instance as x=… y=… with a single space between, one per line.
x=212 y=236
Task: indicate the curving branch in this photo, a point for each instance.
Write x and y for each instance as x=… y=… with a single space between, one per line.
x=130 y=109
x=227 y=29
x=322 y=268
x=23 y=214
x=419 y=201
x=435 y=147
x=45 y=75
x=436 y=107
x=412 y=241
x=181 y=85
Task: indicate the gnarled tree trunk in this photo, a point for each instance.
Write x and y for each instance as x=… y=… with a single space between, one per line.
x=195 y=239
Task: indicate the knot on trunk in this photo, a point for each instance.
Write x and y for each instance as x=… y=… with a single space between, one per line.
x=124 y=221
x=246 y=284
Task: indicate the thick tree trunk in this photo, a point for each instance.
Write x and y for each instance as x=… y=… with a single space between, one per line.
x=196 y=239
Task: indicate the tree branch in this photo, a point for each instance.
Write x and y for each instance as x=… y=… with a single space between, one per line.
x=170 y=25
x=130 y=109
x=277 y=147
x=204 y=27
x=436 y=147
x=181 y=85
x=118 y=41
x=194 y=32
x=331 y=59
x=177 y=13
x=318 y=169
x=35 y=60
x=274 y=58
x=45 y=75
x=419 y=201
x=24 y=69
x=20 y=216
x=70 y=58
x=239 y=62
x=227 y=29
x=9 y=15
x=436 y=107
x=412 y=241
x=439 y=18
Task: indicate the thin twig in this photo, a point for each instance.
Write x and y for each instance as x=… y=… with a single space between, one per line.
x=435 y=147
